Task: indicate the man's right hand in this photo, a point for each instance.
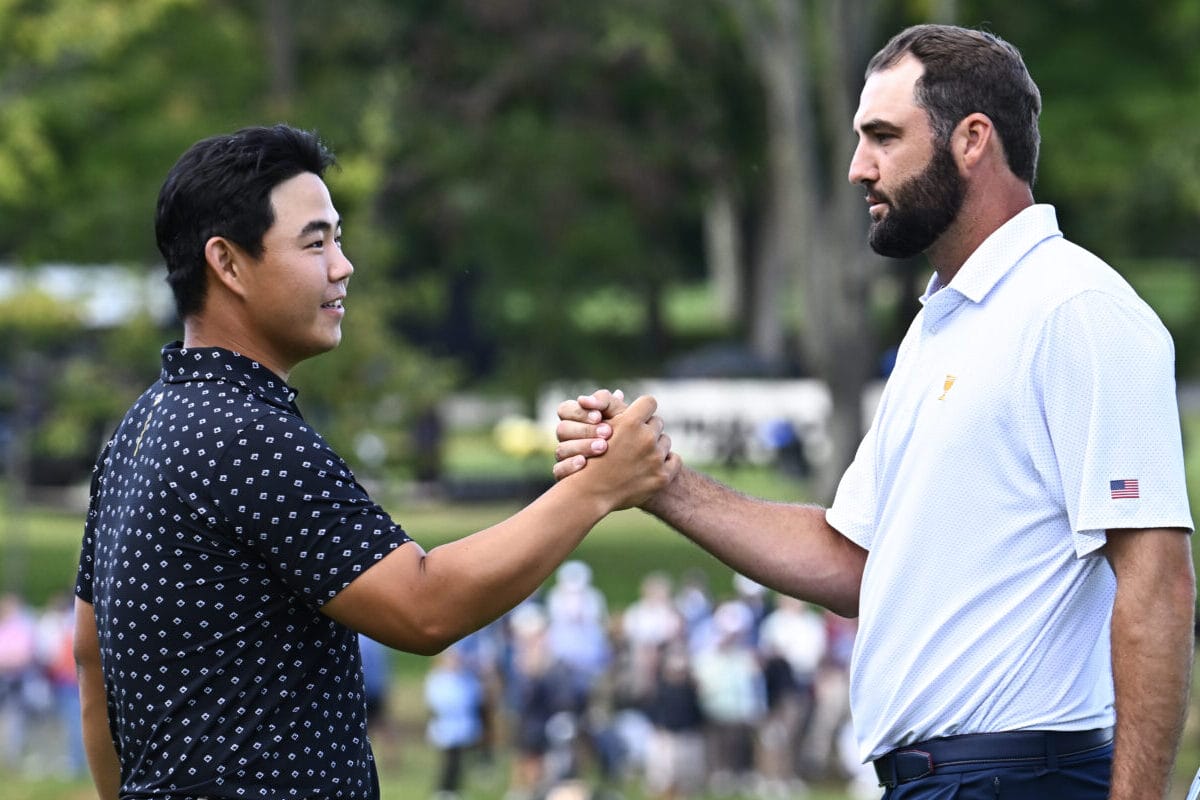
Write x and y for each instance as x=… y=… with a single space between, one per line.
x=584 y=429
x=638 y=462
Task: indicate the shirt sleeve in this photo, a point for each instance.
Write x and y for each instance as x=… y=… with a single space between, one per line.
x=854 y=510
x=85 y=573
x=295 y=502
x=1105 y=370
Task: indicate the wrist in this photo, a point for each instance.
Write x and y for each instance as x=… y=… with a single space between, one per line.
x=666 y=502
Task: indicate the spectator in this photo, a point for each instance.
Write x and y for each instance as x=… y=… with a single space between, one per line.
x=650 y=623
x=55 y=641
x=577 y=615
x=832 y=696
x=377 y=678
x=792 y=643
x=542 y=687
x=484 y=653
x=17 y=651
x=693 y=599
x=454 y=695
x=754 y=596
x=675 y=766
x=732 y=696
x=528 y=658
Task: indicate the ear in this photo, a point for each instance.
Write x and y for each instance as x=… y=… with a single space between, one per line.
x=972 y=141
x=226 y=263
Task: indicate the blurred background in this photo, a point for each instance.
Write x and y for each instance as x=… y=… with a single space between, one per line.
x=540 y=198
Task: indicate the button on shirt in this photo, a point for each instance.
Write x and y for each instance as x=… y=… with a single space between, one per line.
x=219 y=524
x=1032 y=408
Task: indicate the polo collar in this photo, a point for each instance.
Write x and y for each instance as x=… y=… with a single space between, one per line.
x=187 y=364
x=999 y=253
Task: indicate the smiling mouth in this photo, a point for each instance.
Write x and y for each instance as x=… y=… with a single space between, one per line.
x=332 y=304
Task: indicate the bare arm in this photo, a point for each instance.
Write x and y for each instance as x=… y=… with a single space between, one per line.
x=785 y=546
x=422 y=602
x=1152 y=643
x=97 y=738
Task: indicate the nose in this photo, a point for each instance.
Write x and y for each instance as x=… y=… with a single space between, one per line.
x=341 y=268
x=862 y=166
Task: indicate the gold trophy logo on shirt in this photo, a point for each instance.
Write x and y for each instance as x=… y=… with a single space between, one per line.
x=157 y=399
x=946 y=384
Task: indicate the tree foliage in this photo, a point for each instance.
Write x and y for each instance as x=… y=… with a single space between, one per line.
x=524 y=183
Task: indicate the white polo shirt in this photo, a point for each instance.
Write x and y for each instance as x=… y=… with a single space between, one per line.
x=1032 y=407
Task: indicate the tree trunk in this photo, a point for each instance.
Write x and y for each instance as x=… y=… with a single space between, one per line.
x=723 y=251
x=814 y=225
x=771 y=32
x=281 y=54
x=839 y=338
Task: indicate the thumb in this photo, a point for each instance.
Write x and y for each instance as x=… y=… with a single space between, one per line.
x=639 y=410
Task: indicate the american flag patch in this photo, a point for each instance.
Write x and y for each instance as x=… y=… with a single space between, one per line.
x=1123 y=489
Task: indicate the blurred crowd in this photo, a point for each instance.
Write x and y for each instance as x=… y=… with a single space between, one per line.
x=40 y=730
x=746 y=696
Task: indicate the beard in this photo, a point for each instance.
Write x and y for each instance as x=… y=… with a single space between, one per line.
x=922 y=210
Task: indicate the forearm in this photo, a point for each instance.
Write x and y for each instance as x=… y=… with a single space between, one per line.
x=97 y=737
x=483 y=575
x=1152 y=645
x=422 y=602
x=787 y=547
x=98 y=744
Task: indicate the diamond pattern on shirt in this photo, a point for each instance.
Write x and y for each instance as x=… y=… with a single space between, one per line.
x=219 y=523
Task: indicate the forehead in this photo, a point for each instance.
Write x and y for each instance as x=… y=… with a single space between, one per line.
x=889 y=95
x=300 y=200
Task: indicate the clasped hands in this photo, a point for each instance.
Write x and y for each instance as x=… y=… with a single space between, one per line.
x=585 y=429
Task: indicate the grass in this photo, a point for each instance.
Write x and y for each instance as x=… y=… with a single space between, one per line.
x=39 y=546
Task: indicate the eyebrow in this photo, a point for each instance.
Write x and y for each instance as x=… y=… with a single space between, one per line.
x=319 y=226
x=878 y=126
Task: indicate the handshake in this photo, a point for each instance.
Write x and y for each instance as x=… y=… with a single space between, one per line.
x=632 y=454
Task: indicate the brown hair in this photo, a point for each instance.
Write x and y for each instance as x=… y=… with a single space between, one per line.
x=969 y=71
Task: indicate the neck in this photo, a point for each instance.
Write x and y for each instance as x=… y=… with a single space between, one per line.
x=980 y=217
x=201 y=331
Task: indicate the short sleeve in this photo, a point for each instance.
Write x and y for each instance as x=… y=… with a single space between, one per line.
x=854 y=510
x=85 y=573
x=295 y=502
x=1105 y=370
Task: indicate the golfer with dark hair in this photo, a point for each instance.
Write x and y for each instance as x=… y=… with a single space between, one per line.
x=230 y=556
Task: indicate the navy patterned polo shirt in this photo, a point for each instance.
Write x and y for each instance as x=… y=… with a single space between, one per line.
x=219 y=524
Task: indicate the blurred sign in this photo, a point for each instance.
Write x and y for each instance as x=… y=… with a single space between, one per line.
x=727 y=420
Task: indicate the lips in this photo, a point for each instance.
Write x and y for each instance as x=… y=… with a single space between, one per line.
x=876 y=205
x=333 y=303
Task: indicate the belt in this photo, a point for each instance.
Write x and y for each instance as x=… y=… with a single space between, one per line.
x=924 y=758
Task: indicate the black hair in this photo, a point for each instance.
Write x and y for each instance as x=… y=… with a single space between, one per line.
x=222 y=187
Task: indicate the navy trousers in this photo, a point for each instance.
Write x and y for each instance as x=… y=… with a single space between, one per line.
x=1085 y=776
